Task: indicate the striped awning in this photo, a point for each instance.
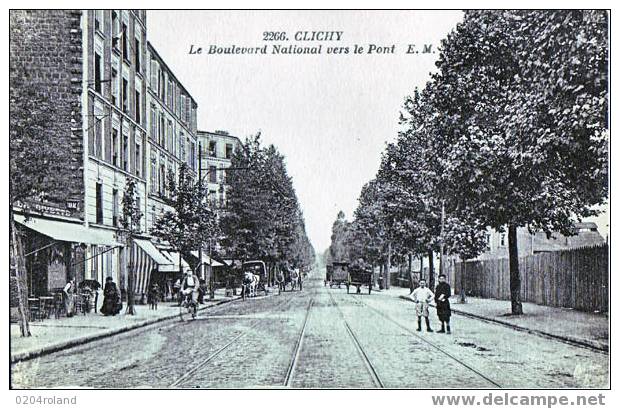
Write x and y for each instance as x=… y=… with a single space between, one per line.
x=143 y=265
x=173 y=256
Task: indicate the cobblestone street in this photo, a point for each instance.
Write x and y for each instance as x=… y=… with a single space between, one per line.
x=317 y=338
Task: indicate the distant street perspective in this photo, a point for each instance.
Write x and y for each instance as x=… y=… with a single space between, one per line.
x=164 y=236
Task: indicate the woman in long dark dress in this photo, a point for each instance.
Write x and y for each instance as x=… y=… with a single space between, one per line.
x=112 y=304
x=442 y=301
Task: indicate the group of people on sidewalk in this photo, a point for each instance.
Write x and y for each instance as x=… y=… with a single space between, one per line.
x=423 y=295
x=112 y=302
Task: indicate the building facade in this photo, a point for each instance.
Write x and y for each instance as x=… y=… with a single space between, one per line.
x=122 y=114
x=216 y=153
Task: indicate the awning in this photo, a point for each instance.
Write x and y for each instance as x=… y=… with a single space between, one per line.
x=152 y=251
x=207 y=260
x=173 y=265
x=146 y=258
x=70 y=232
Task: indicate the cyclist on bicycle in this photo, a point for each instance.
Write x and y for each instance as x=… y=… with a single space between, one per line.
x=189 y=286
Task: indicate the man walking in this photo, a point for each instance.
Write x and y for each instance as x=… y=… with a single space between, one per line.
x=422 y=296
x=442 y=301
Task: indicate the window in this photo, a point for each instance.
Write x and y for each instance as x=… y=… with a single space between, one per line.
x=192 y=154
x=138 y=160
x=125 y=96
x=182 y=147
x=212 y=148
x=154 y=180
x=502 y=240
x=98 y=72
x=98 y=135
x=99 y=20
x=115 y=207
x=115 y=29
x=153 y=122
x=125 y=153
x=138 y=115
x=170 y=145
x=162 y=180
x=162 y=129
x=154 y=74
x=138 y=203
x=212 y=174
x=229 y=151
x=137 y=54
x=212 y=197
x=488 y=240
x=115 y=99
x=99 y=203
x=170 y=94
x=182 y=105
x=125 y=43
x=114 y=146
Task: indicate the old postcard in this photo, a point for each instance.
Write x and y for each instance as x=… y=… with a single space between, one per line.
x=310 y=199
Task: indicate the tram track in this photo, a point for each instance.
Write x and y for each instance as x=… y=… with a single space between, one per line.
x=293 y=364
x=368 y=364
x=429 y=343
x=211 y=357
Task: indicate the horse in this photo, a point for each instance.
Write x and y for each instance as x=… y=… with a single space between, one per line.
x=251 y=281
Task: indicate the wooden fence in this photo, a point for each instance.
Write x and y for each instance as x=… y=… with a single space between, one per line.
x=575 y=278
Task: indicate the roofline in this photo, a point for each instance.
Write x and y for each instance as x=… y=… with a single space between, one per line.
x=152 y=48
x=199 y=132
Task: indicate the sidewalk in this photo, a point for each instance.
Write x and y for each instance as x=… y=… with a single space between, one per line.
x=51 y=335
x=587 y=329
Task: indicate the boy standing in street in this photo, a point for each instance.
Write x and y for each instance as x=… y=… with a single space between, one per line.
x=442 y=301
x=422 y=296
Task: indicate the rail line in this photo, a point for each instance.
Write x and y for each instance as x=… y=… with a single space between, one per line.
x=369 y=366
x=293 y=364
x=200 y=365
x=438 y=348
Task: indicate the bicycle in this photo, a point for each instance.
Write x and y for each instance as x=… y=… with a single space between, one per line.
x=188 y=306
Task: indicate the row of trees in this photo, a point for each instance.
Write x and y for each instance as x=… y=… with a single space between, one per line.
x=262 y=218
x=511 y=131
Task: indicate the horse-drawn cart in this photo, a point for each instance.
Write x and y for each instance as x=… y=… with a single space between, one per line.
x=337 y=274
x=359 y=277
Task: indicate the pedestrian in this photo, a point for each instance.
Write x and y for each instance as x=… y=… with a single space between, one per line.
x=112 y=303
x=153 y=296
x=442 y=301
x=67 y=294
x=422 y=296
x=281 y=280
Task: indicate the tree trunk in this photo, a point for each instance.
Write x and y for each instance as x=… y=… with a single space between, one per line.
x=462 y=297
x=410 y=271
x=389 y=267
x=130 y=302
x=18 y=263
x=515 y=277
x=431 y=271
x=421 y=268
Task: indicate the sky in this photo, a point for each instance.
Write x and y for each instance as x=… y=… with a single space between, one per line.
x=330 y=115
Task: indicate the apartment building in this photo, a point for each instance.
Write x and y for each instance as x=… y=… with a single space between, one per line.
x=217 y=149
x=172 y=131
x=122 y=114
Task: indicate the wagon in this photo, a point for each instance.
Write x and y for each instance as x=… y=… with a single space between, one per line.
x=359 y=277
x=339 y=274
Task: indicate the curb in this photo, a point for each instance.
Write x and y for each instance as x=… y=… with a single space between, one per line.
x=28 y=355
x=567 y=340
